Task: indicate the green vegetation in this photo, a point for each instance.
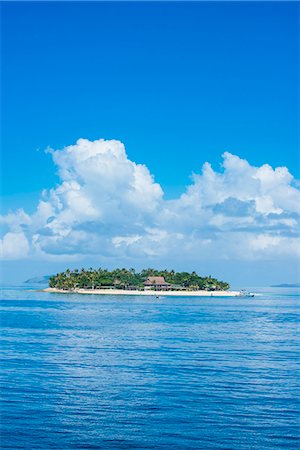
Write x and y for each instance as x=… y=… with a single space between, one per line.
x=130 y=279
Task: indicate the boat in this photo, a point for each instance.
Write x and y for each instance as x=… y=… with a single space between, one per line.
x=244 y=293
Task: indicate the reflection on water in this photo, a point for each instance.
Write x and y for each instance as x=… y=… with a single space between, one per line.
x=136 y=372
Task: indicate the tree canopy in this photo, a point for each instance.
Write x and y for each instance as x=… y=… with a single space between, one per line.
x=129 y=278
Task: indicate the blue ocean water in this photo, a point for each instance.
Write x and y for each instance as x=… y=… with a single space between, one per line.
x=102 y=372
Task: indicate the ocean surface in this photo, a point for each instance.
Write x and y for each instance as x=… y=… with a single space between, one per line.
x=103 y=372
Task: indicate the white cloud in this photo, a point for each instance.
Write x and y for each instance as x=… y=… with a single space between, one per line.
x=14 y=246
x=107 y=205
x=126 y=240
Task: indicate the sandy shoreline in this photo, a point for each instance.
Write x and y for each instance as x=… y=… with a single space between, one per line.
x=148 y=292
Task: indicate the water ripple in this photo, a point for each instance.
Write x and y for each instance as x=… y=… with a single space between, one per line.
x=132 y=373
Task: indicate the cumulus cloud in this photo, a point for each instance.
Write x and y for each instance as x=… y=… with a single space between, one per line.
x=14 y=246
x=107 y=205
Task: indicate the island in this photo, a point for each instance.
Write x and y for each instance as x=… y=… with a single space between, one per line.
x=38 y=280
x=286 y=285
x=147 y=282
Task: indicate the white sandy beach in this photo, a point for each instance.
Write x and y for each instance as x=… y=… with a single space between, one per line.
x=148 y=292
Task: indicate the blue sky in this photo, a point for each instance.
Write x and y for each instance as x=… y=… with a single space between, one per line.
x=178 y=83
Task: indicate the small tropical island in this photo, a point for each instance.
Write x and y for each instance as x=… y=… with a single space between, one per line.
x=129 y=282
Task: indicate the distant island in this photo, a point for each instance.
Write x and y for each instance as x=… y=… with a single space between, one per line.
x=124 y=279
x=286 y=285
x=38 y=280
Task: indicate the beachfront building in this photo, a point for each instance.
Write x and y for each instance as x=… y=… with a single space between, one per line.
x=157 y=283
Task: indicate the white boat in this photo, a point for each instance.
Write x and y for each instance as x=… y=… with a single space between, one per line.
x=244 y=293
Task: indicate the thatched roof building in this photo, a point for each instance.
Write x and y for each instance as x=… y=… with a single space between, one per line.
x=156 y=283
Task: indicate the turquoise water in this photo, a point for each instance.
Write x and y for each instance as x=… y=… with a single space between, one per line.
x=97 y=372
